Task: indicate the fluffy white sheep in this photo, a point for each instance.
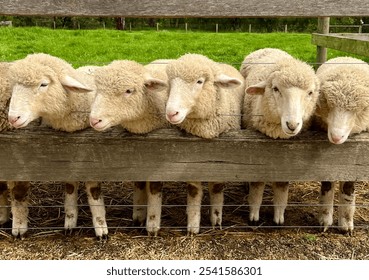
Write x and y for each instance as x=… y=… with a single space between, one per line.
x=48 y=87
x=343 y=110
x=133 y=96
x=281 y=96
x=205 y=100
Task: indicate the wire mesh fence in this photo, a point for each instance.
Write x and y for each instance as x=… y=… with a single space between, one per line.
x=46 y=209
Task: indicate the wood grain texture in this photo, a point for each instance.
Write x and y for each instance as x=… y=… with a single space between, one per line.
x=169 y=155
x=186 y=8
x=352 y=43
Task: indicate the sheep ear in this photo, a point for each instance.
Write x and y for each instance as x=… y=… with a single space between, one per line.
x=226 y=81
x=155 y=85
x=71 y=84
x=259 y=88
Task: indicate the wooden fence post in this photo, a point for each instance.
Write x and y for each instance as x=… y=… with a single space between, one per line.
x=216 y=28
x=323 y=28
x=186 y=27
x=250 y=28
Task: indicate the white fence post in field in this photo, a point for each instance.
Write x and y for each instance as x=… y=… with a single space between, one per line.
x=250 y=28
x=216 y=28
x=186 y=27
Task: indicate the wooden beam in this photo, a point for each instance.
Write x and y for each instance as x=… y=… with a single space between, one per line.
x=41 y=154
x=323 y=28
x=351 y=43
x=185 y=8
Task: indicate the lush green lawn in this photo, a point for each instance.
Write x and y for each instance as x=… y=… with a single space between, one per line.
x=81 y=47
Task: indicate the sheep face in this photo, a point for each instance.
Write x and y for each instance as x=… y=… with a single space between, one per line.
x=290 y=98
x=191 y=77
x=123 y=90
x=344 y=107
x=38 y=92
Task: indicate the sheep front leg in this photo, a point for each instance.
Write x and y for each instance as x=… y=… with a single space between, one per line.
x=139 y=203
x=346 y=208
x=71 y=206
x=97 y=207
x=216 y=203
x=154 y=201
x=255 y=198
x=326 y=200
x=4 y=203
x=19 y=207
x=280 y=199
x=194 y=196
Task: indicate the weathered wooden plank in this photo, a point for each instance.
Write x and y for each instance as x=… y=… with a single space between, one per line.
x=186 y=8
x=169 y=155
x=323 y=28
x=351 y=43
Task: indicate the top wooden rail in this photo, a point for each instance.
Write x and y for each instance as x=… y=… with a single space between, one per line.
x=186 y=8
x=42 y=154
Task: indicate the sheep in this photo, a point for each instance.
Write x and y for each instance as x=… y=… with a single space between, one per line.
x=205 y=100
x=343 y=110
x=281 y=96
x=134 y=96
x=48 y=87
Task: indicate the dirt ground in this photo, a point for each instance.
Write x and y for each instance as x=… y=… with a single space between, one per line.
x=299 y=238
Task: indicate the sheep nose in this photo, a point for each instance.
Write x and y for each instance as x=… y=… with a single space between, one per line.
x=13 y=120
x=336 y=138
x=171 y=115
x=94 y=121
x=292 y=125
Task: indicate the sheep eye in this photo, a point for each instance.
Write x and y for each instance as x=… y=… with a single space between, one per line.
x=275 y=89
x=200 y=82
x=310 y=93
x=129 y=91
x=44 y=84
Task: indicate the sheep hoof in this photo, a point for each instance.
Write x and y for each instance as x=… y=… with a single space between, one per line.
x=68 y=231
x=152 y=233
x=138 y=223
x=102 y=238
x=19 y=236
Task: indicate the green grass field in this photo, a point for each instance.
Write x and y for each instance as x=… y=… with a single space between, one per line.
x=98 y=47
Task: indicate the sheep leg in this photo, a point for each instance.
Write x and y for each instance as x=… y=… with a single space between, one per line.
x=255 y=198
x=139 y=203
x=346 y=208
x=280 y=199
x=19 y=207
x=194 y=196
x=154 y=201
x=4 y=203
x=326 y=200
x=216 y=203
x=71 y=206
x=97 y=207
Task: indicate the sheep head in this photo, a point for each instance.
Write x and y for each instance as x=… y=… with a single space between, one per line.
x=123 y=90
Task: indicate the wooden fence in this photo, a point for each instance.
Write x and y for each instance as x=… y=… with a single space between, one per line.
x=168 y=155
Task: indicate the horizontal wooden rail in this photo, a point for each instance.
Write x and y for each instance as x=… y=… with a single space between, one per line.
x=185 y=8
x=41 y=154
x=347 y=42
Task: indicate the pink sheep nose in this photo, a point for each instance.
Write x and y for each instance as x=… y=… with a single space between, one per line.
x=13 y=120
x=172 y=115
x=94 y=121
x=336 y=138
